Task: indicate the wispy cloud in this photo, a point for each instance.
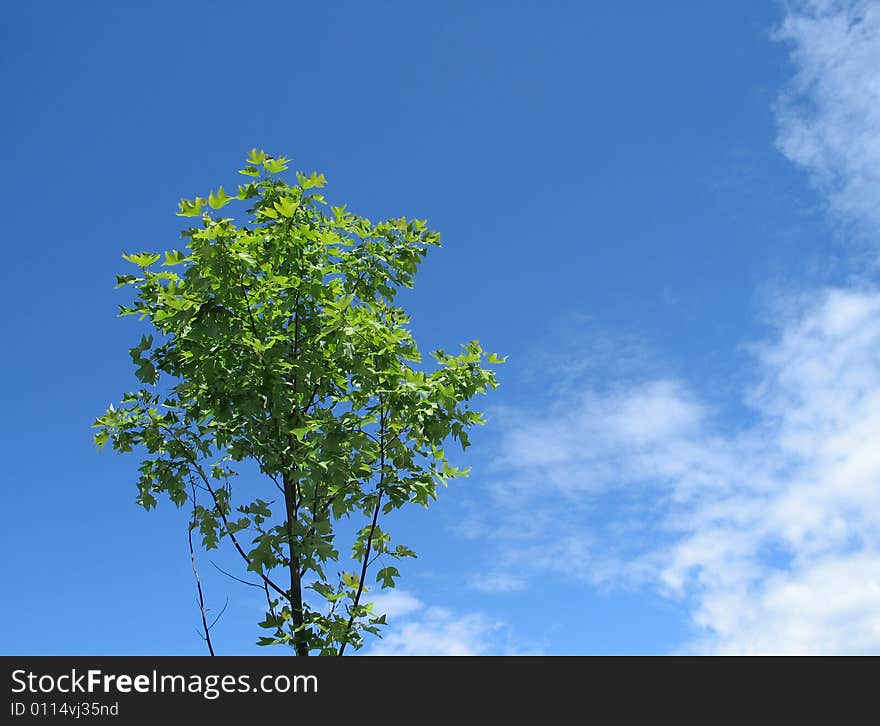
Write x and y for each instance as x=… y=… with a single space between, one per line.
x=395 y=603
x=771 y=532
x=422 y=630
x=803 y=504
x=829 y=118
x=498 y=582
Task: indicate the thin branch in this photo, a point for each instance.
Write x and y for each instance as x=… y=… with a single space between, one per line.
x=368 y=548
x=198 y=469
x=237 y=579
x=360 y=589
x=275 y=482
x=247 y=301
x=235 y=542
x=192 y=557
x=269 y=600
x=311 y=398
x=223 y=610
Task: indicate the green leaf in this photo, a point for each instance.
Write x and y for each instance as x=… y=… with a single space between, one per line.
x=286 y=207
x=401 y=551
x=275 y=166
x=146 y=371
x=246 y=191
x=125 y=280
x=256 y=156
x=263 y=640
x=300 y=432
x=141 y=259
x=174 y=257
x=313 y=180
x=101 y=438
x=219 y=199
x=189 y=208
x=145 y=344
x=386 y=576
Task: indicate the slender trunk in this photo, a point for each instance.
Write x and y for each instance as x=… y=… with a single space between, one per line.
x=192 y=557
x=364 y=566
x=300 y=641
x=369 y=546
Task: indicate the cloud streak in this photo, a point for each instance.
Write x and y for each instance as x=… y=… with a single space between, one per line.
x=771 y=533
x=421 y=630
x=829 y=118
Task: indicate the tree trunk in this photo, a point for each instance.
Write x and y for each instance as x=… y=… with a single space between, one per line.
x=294 y=594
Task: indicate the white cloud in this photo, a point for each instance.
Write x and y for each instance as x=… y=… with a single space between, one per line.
x=497 y=582
x=439 y=631
x=394 y=603
x=771 y=533
x=644 y=415
x=415 y=629
x=827 y=606
x=828 y=121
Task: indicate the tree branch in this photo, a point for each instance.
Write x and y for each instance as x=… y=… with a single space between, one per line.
x=369 y=544
x=198 y=469
x=366 y=564
x=192 y=557
x=237 y=579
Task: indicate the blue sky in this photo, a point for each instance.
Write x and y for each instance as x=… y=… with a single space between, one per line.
x=662 y=213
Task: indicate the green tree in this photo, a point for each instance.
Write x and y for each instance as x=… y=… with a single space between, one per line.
x=277 y=342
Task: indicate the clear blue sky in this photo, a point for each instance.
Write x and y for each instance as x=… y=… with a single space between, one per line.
x=647 y=206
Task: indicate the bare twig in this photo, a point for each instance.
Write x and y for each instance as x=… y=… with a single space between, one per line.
x=237 y=579
x=220 y=614
x=192 y=557
x=201 y=473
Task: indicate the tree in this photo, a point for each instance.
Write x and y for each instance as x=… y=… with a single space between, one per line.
x=278 y=342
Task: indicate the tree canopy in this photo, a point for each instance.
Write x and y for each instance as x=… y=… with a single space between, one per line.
x=278 y=341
